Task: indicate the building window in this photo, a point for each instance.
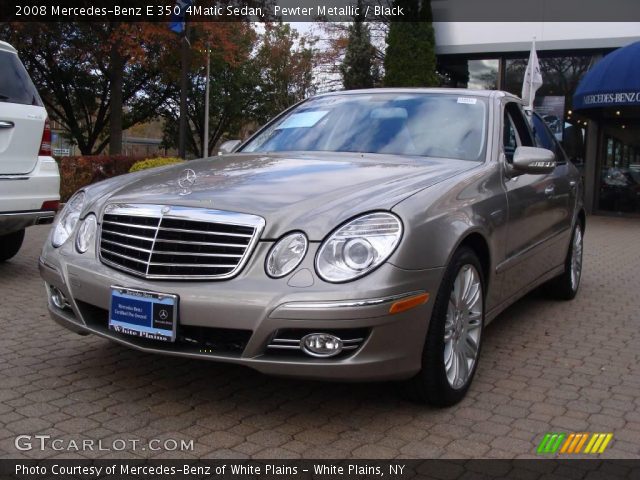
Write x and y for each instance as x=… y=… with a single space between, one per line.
x=482 y=74
x=560 y=74
x=619 y=176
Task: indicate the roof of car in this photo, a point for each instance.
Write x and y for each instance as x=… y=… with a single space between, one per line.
x=6 y=47
x=452 y=91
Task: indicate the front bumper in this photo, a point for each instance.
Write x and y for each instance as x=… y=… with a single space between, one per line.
x=250 y=310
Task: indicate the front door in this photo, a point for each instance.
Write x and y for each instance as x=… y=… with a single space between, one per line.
x=534 y=216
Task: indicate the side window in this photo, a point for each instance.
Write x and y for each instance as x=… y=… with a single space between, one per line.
x=515 y=130
x=509 y=138
x=543 y=137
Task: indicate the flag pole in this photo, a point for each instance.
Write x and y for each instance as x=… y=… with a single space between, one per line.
x=205 y=139
x=184 y=79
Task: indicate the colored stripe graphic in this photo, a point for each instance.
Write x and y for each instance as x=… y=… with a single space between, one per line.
x=598 y=442
x=551 y=442
x=562 y=443
x=582 y=442
x=543 y=444
x=574 y=443
x=569 y=443
x=606 y=441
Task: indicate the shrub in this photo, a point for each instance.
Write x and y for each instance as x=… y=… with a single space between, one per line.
x=153 y=163
x=80 y=171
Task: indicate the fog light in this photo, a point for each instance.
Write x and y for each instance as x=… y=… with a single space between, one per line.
x=58 y=298
x=321 y=345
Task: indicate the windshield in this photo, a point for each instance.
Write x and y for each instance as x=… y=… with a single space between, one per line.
x=423 y=124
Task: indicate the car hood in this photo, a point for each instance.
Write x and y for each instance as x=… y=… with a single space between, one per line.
x=309 y=192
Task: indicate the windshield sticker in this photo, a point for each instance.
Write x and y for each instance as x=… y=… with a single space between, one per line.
x=467 y=100
x=303 y=119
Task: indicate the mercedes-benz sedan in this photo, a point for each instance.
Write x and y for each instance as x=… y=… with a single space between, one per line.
x=363 y=235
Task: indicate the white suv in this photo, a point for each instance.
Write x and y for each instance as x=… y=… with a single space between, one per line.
x=29 y=178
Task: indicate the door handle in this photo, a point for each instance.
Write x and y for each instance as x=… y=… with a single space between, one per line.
x=6 y=124
x=549 y=190
x=573 y=184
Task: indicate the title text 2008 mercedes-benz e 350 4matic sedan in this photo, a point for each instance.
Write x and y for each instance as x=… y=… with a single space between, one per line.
x=365 y=235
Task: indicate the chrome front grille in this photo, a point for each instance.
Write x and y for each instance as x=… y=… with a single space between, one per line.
x=168 y=242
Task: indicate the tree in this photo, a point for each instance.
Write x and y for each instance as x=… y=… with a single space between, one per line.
x=233 y=80
x=130 y=45
x=245 y=86
x=410 y=59
x=72 y=66
x=358 y=68
x=285 y=63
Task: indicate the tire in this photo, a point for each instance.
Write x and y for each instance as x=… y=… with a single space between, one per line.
x=436 y=383
x=10 y=244
x=565 y=286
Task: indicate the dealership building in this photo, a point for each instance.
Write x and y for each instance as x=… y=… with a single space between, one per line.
x=589 y=99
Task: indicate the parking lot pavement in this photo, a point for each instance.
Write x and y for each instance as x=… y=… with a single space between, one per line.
x=546 y=366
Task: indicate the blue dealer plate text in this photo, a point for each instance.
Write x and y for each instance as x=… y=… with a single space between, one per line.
x=143 y=314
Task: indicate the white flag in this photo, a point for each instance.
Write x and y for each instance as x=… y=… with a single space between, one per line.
x=532 y=77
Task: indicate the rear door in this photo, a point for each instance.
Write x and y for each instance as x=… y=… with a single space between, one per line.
x=22 y=116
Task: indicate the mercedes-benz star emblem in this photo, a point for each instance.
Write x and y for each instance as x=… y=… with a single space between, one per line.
x=186 y=181
x=163 y=314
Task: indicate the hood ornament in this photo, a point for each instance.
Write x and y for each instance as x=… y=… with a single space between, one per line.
x=186 y=180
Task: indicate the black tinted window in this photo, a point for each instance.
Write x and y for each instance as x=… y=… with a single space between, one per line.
x=15 y=84
x=544 y=138
x=520 y=124
x=515 y=131
x=509 y=138
x=540 y=134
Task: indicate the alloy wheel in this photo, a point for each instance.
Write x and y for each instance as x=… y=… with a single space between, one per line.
x=463 y=326
x=576 y=259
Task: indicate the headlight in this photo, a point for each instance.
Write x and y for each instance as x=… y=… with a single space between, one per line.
x=86 y=233
x=286 y=255
x=68 y=219
x=358 y=247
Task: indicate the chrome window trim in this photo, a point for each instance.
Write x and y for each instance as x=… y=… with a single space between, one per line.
x=183 y=213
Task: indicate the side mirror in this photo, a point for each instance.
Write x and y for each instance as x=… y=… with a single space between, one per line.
x=533 y=160
x=228 y=147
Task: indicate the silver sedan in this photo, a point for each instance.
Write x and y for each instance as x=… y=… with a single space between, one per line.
x=363 y=235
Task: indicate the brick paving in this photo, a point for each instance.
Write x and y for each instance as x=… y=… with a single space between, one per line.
x=545 y=366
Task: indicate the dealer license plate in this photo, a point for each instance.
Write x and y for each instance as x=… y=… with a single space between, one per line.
x=143 y=314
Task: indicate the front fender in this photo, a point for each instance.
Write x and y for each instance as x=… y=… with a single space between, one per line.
x=441 y=217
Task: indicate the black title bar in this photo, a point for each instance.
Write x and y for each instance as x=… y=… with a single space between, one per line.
x=319 y=10
x=317 y=469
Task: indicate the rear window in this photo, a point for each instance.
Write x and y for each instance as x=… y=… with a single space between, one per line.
x=15 y=84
